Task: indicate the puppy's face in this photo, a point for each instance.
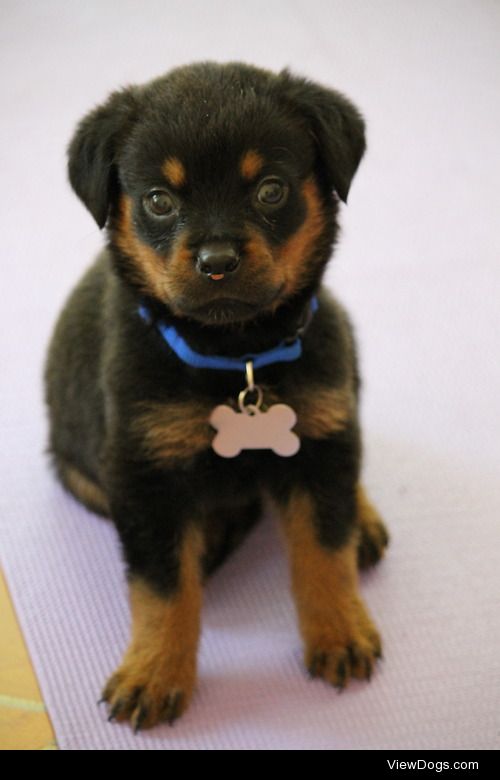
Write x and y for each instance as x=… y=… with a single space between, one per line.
x=220 y=186
x=219 y=224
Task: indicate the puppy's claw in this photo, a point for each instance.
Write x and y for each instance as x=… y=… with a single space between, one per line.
x=172 y=707
x=317 y=664
x=139 y=719
x=115 y=711
x=341 y=675
x=338 y=664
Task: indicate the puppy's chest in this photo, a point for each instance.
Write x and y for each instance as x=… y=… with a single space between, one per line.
x=178 y=430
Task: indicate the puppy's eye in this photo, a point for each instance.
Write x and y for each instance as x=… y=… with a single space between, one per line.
x=160 y=203
x=272 y=192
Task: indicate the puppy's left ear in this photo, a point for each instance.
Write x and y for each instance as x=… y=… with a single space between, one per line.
x=334 y=123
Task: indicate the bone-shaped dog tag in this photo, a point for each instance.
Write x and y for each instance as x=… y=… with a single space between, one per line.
x=253 y=429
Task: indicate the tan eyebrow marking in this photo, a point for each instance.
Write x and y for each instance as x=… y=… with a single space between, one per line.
x=251 y=163
x=174 y=171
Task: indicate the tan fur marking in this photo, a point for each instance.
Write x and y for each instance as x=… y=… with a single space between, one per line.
x=161 y=659
x=174 y=172
x=174 y=431
x=170 y=626
x=262 y=265
x=151 y=272
x=251 y=164
x=339 y=637
x=289 y=267
x=319 y=576
x=295 y=255
x=180 y=274
x=322 y=411
x=178 y=431
x=257 y=248
x=148 y=266
x=86 y=491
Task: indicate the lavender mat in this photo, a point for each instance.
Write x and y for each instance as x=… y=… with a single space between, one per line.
x=417 y=267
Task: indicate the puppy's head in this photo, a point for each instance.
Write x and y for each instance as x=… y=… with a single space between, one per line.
x=219 y=185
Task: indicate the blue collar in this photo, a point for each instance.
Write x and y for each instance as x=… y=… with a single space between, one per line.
x=283 y=353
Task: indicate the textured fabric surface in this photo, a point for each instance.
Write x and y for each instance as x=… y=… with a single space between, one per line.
x=418 y=268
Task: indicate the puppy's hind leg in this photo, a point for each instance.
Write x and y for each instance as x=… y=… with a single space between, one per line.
x=84 y=489
x=373 y=538
x=224 y=530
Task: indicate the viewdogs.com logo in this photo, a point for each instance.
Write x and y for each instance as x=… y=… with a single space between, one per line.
x=437 y=766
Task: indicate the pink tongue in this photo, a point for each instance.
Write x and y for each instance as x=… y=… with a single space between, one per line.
x=216 y=277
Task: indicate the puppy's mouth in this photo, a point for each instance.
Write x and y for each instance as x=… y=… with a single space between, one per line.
x=224 y=310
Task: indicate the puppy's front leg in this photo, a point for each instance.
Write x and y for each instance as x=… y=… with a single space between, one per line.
x=156 y=678
x=340 y=640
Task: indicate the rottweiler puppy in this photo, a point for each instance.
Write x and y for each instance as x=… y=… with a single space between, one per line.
x=200 y=366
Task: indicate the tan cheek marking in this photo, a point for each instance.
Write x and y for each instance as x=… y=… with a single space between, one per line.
x=161 y=657
x=164 y=280
x=180 y=271
x=148 y=267
x=295 y=256
x=262 y=263
x=257 y=248
x=251 y=164
x=174 y=172
x=174 y=431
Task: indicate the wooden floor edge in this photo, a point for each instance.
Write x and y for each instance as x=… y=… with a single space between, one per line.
x=24 y=721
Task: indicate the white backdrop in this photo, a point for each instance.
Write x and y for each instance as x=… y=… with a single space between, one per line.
x=418 y=267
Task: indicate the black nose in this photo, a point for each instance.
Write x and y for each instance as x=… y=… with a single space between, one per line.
x=216 y=258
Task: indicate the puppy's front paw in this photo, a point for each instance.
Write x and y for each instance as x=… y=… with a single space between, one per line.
x=338 y=652
x=148 y=692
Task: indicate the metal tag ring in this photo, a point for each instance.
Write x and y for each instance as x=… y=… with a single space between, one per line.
x=242 y=396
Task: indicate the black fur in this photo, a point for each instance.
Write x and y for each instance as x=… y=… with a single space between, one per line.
x=104 y=359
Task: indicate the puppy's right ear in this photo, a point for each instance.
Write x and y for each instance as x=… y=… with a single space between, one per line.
x=92 y=153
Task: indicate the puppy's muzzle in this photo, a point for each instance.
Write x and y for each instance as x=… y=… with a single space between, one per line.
x=216 y=259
